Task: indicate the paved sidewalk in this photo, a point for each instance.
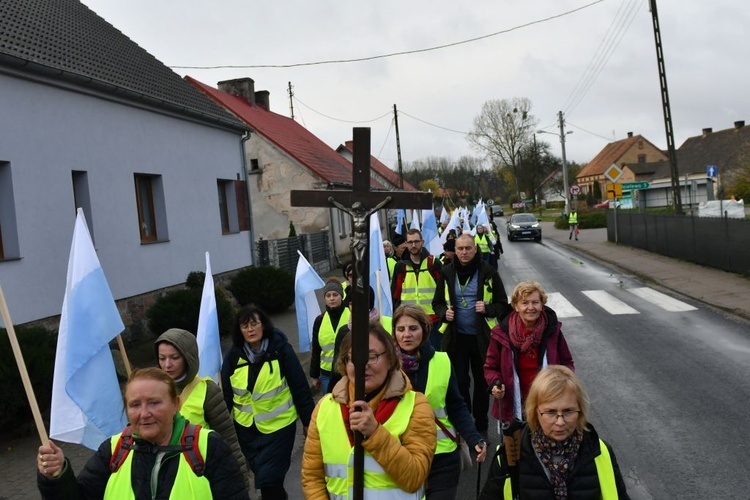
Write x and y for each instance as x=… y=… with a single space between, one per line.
x=725 y=291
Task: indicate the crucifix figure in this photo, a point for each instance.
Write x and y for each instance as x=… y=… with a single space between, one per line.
x=360 y=203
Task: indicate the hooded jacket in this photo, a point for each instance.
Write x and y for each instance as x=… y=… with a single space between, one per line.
x=502 y=359
x=215 y=412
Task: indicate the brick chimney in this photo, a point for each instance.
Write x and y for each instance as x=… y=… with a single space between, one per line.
x=707 y=131
x=241 y=87
x=739 y=124
x=263 y=99
x=630 y=134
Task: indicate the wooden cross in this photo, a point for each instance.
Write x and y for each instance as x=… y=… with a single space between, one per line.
x=360 y=203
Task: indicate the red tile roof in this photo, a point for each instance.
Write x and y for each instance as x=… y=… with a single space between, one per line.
x=611 y=153
x=287 y=135
x=381 y=169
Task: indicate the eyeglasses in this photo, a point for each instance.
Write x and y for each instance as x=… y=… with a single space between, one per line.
x=251 y=323
x=552 y=415
x=414 y=243
x=372 y=358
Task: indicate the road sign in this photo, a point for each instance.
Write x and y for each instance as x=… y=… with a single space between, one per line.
x=711 y=171
x=518 y=204
x=635 y=185
x=614 y=191
x=613 y=173
x=490 y=202
x=522 y=194
x=575 y=190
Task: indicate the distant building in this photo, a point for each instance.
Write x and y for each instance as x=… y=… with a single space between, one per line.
x=89 y=119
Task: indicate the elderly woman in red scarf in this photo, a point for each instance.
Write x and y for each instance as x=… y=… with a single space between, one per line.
x=523 y=343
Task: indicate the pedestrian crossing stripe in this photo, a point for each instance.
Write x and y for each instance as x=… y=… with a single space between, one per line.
x=609 y=303
x=664 y=301
x=562 y=306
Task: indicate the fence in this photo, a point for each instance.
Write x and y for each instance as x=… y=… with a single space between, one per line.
x=282 y=252
x=722 y=243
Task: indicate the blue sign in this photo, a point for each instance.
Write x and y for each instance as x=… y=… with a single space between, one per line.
x=711 y=171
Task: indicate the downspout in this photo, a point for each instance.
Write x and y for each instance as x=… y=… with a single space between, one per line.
x=245 y=138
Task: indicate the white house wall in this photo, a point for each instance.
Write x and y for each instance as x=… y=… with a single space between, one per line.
x=47 y=132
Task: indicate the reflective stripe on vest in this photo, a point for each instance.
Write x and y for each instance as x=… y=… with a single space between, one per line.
x=327 y=338
x=419 y=286
x=338 y=455
x=438 y=376
x=482 y=243
x=186 y=484
x=192 y=407
x=270 y=405
x=573 y=218
x=604 y=471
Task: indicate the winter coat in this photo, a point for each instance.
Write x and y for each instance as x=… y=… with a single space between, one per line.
x=497 y=308
x=583 y=482
x=502 y=360
x=335 y=315
x=399 y=275
x=215 y=413
x=407 y=460
x=222 y=472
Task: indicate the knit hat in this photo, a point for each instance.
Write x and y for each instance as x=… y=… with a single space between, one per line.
x=398 y=239
x=333 y=287
x=449 y=245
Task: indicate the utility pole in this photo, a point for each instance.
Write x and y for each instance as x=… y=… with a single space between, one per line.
x=672 y=153
x=291 y=100
x=398 y=149
x=561 y=119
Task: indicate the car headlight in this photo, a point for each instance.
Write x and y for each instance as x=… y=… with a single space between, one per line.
x=513 y=226
x=535 y=225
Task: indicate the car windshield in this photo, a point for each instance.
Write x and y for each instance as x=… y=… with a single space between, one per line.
x=524 y=218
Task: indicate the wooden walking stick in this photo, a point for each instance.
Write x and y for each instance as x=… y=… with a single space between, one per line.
x=22 y=369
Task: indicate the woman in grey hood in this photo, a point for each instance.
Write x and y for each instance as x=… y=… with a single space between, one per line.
x=201 y=400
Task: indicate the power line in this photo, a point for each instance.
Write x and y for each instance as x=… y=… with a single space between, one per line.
x=340 y=119
x=589 y=132
x=432 y=124
x=393 y=54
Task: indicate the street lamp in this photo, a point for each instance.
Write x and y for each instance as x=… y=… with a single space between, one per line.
x=566 y=189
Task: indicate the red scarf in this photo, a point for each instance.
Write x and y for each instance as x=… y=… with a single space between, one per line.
x=383 y=412
x=526 y=339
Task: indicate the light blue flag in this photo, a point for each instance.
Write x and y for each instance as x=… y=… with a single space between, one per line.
x=415 y=220
x=379 y=269
x=454 y=224
x=444 y=218
x=483 y=220
x=429 y=233
x=401 y=215
x=209 y=344
x=306 y=281
x=86 y=401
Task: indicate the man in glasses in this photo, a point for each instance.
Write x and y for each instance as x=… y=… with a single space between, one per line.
x=414 y=280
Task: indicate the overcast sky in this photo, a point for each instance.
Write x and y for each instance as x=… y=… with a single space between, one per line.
x=597 y=64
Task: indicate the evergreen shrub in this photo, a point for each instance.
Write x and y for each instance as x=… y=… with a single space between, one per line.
x=181 y=308
x=38 y=346
x=270 y=288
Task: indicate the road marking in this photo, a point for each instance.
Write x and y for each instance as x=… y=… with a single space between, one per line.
x=609 y=303
x=662 y=300
x=562 y=306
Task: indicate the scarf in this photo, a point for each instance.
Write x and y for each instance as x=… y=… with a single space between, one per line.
x=557 y=458
x=252 y=355
x=383 y=408
x=409 y=362
x=464 y=272
x=524 y=339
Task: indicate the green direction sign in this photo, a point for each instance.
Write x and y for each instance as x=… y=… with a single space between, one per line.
x=636 y=185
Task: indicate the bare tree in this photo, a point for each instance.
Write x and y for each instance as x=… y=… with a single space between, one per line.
x=501 y=130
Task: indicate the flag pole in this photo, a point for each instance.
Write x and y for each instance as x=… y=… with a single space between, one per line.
x=124 y=355
x=377 y=284
x=22 y=368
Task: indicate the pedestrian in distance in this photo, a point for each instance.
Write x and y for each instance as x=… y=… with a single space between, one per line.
x=397 y=424
x=449 y=252
x=201 y=400
x=324 y=330
x=560 y=456
x=573 y=223
x=267 y=391
x=192 y=462
x=469 y=298
x=430 y=372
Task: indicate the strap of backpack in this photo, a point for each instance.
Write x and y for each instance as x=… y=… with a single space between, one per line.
x=191 y=450
x=123 y=447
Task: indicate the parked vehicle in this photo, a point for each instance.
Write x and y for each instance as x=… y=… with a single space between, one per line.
x=524 y=226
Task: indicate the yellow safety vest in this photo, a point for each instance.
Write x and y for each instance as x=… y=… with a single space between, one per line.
x=486 y=297
x=604 y=470
x=186 y=484
x=192 y=407
x=438 y=376
x=269 y=405
x=338 y=455
x=418 y=287
x=573 y=218
x=387 y=323
x=391 y=263
x=327 y=338
x=483 y=243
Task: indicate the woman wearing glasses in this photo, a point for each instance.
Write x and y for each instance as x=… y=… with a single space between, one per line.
x=266 y=391
x=521 y=344
x=396 y=422
x=561 y=455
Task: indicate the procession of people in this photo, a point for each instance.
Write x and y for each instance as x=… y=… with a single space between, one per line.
x=455 y=353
